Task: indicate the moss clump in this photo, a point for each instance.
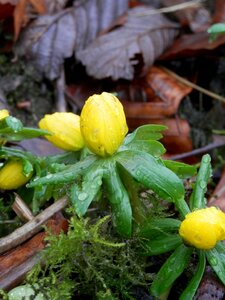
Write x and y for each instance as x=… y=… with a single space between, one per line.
x=84 y=263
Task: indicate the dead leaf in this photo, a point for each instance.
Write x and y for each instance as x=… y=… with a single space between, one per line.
x=219 y=13
x=113 y=54
x=6 y=10
x=55 y=6
x=197 y=17
x=21 y=16
x=192 y=45
x=15 y=263
x=13 y=2
x=163 y=96
x=51 y=38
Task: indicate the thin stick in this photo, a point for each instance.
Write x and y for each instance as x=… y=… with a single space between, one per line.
x=29 y=229
x=198 y=151
x=21 y=209
x=172 y=8
x=194 y=86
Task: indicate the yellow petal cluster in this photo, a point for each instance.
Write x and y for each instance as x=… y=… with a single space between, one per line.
x=11 y=175
x=3 y=114
x=203 y=228
x=65 y=129
x=103 y=124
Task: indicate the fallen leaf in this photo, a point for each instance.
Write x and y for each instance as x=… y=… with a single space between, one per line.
x=192 y=45
x=219 y=13
x=52 y=38
x=55 y=6
x=15 y=263
x=196 y=17
x=21 y=16
x=13 y=2
x=114 y=54
x=163 y=96
x=6 y=10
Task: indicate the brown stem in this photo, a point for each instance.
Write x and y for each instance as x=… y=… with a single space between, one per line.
x=29 y=229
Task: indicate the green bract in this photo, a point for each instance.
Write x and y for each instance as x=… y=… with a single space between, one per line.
x=161 y=236
x=139 y=158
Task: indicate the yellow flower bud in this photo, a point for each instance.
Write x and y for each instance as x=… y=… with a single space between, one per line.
x=3 y=114
x=103 y=124
x=11 y=175
x=65 y=129
x=203 y=228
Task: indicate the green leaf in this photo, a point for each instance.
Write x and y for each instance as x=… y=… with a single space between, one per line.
x=152 y=228
x=11 y=123
x=63 y=158
x=191 y=289
x=171 y=270
x=145 y=132
x=182 y=170
x=154 y=148
x=9 y=152
x=119 y=201
x=216 y=258
x=69 y=174
x=27 y=167
x=81 y=197
x=25 y=133
x=153 y=175
x=162 y=244
x=217 y=28
x=197 y=199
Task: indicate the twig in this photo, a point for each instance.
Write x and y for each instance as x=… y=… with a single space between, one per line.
x=201 y=150
x=194 y=86
x=172 y=8
x=60 y=95
x=26 y=231
x=21 y=209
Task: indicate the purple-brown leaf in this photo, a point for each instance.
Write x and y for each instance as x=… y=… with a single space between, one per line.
x=113 y=54
x=52 y=38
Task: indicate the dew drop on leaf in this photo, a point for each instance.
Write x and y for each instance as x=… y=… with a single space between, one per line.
x=202 y=184
x=82 y=196
x=214 y=261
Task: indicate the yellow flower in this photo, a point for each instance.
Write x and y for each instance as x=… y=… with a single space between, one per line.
x=103 y=124
x=65 y=129
x=11 y=175
x=3 y=114
x=203 y=228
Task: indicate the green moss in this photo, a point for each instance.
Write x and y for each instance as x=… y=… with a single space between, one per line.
x=85 y=263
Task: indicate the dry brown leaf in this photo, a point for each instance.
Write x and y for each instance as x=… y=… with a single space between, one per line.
x=21 y=16
x=114 y=54
x=197 y=17
x=192 y=45
x=13 y=2
x=55 y=6
x=52 y=38
x=164 y=94
x=219 y=13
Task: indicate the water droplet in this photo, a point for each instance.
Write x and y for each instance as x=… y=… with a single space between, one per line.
x=99 y=182
x=202 y=184
x=49 y=176
x=36 y=178
x=138 y=173
x=214 y=261
x=82 y=196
